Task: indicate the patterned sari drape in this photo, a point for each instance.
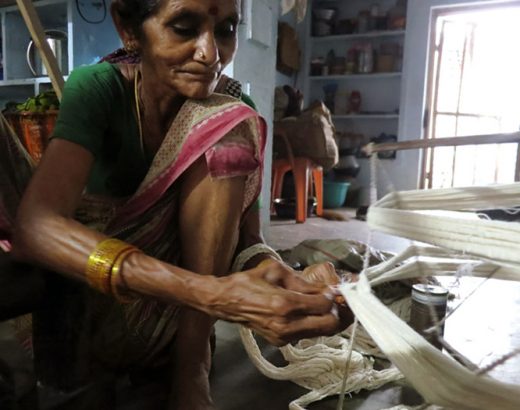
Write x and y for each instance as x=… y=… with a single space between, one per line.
x=78 y=323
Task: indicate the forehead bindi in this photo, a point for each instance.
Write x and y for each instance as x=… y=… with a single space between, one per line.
x=213 y=10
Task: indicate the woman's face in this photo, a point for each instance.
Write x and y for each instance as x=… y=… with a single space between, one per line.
x=187 y=43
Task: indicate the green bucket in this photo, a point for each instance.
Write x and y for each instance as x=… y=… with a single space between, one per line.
x=334 y=193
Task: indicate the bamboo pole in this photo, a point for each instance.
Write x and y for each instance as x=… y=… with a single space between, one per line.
x=443 y=142
x=32 y=21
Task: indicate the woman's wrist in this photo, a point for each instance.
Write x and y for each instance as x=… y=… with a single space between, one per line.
x=250 y=257
x=148 y=276
x=259 y=260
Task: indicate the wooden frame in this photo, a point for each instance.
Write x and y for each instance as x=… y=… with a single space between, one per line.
x=444 y=142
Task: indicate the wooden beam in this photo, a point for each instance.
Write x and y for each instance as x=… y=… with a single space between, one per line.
x=443 y=142
x=32 y=21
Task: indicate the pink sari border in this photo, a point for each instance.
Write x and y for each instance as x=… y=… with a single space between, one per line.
x=231 y=160
x=199 y=140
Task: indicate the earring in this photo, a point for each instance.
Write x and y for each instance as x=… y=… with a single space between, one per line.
x=131 y=47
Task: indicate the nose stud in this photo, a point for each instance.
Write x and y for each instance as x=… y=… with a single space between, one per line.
x=201 y=54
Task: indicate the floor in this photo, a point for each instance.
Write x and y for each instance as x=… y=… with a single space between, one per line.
x=237 y=384
x=486 y=327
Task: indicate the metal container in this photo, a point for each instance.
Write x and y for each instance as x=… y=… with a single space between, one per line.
x=427 y=299
x=57 y=41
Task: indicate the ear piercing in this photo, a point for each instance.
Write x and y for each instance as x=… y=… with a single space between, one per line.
x=131 y=46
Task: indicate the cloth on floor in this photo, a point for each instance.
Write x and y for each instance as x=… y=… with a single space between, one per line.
x=343 y=253
x=319 y=364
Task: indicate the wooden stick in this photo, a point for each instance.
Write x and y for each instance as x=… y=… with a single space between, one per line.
x=443 y=142
x=32 y=21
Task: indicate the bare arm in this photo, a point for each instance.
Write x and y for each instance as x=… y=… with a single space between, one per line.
x=47 y=234
x=270 y=299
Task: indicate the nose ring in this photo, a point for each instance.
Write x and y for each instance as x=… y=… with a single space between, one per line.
x=202 y=56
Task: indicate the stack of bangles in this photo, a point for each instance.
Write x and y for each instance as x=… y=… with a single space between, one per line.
x=104 y=267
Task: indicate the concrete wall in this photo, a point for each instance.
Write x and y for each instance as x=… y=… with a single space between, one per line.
x=254 y=67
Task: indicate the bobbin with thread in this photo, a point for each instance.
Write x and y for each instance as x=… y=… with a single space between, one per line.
x=429 y=303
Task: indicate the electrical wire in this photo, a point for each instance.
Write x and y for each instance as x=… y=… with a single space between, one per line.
x=104 y=5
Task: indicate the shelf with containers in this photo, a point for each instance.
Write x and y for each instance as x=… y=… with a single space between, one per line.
x=353 y=62
x=357 y=36
x=75 y=38
x=356 y=47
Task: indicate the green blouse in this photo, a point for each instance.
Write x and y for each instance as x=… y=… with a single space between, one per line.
x=97 y=113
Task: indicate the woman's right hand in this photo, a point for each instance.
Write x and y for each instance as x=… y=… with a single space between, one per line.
x=276 y=302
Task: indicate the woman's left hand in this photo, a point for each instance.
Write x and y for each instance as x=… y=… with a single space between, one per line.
x=325 y=273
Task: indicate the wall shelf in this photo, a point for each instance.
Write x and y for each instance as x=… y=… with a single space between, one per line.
x=359 y=36
x=366 y=117
x=85 y=44
x=21 y=81
x=27 y=81
x=380 y=89
x=370 y=76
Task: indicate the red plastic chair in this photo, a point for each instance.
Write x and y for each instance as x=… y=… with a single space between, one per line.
x=303 y=170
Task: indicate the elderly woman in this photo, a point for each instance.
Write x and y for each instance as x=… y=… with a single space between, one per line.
x=146 y=193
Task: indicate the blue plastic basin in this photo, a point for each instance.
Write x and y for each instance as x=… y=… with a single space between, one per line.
x=334 y=193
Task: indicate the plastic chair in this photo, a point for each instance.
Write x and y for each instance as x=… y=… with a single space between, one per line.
x=303 y=169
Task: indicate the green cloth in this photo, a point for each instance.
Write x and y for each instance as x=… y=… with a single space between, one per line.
x=97 y=112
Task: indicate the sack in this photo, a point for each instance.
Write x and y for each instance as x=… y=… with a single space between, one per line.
x=310 y=135
x=342 y=253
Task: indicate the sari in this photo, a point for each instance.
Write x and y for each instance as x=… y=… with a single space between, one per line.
x=79 y=332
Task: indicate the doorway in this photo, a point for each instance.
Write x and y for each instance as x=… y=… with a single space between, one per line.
x=473 y=89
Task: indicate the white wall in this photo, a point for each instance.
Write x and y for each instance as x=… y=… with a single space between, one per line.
x=404 y=171
x=254 y=66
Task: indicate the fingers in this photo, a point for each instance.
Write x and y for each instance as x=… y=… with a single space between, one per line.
x=287 y=303
x=312 y=326
x=281 y=332
x=324 y=273
x=279 y=304
x=279 y=274
x=297 y=283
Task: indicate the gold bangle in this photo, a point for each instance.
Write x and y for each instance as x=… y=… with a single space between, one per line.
x=116 y=271
x=100 y=262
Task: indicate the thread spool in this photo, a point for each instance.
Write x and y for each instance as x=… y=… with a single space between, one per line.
x=425 y=297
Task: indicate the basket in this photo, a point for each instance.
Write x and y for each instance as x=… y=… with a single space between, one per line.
x=34 y=129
